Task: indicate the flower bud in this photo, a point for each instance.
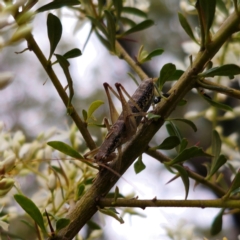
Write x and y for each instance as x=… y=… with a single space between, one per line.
x=5 y=79
x=25 y=18
x=22 y=32
x=52 y=183
x=9 y=162
x=6 y=185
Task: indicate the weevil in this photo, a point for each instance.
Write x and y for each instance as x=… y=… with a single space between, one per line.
x=125 y=126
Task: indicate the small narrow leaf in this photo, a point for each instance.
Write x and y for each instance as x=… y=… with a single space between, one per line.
x=184 y=175
x=208 y=11
x=104 y=41
x=111 y=212
x=217 y=104
x=183 y=144
x=62 y=223
x=139 y=165
x=111 y=29
x=234 y=185
x=93 y=107
x=225 y=70
x=166 y=72
x=85 y=115
x=30 y=208
x=54 y=28
x=173 y=130
x=64 y=148
x=169 y=143
x=186 y=26
x=99 y=25
x=216 y=146
x=57 y=4
x=217 y=223
x=127 y=21
x=134 y=11
x=219 y=163
x=222 y=7
x=118 y=5
x=72 y=53
x=188 y=153
x=154 y=53
x=188 y=122
x=80 y=190
x=176 y=75
x=93 y=226
x=139 y=27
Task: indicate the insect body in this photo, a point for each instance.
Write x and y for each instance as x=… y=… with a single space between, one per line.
x=126 y=125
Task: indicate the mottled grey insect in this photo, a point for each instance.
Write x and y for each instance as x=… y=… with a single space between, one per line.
x=125 y=126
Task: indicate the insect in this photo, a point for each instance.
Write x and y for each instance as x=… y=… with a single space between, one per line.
x=125 y=126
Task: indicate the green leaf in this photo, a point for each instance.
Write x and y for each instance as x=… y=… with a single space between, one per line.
x=182 y=102
x=183 y=144
x=127 y=21
x=134 y=11
x=65 y=66
x=80 y=190
x=30 y=208
x=138 y=27
x=219 y=163
x=184 y=175
x=99 y=25
x=54 y=28
x=154 y=53
x=93 y=107
x=188 y=153
x=166 y=72
x=173 y=130
x=62 y=223
x=57 y=4
x=216 y=146
x=225 y=70
x=176 y=75
x=111 y=29
x=169 y=143
x=64 y=148
x=139 y=165
x=217 y=223
x=85 y=115
x=217 y=104
x=222 y=7
x=104 y=41
x=188 y=122
x=118 y=5
x=152 y=116
x=72 y=53
x=185 y=25
x=111 y=212
x=208 y=11
x=234 y=185
x=93 y=226
x=63 y=62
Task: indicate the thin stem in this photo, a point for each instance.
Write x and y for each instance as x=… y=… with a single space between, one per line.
x=231 y=92
x=48 y=68
x=216 y=203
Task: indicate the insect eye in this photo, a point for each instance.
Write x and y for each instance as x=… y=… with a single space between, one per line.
x=156 y=99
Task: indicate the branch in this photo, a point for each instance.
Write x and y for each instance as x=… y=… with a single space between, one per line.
x=48 y=68
x=105 y=180
x=231 y=92
x=216 y=203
